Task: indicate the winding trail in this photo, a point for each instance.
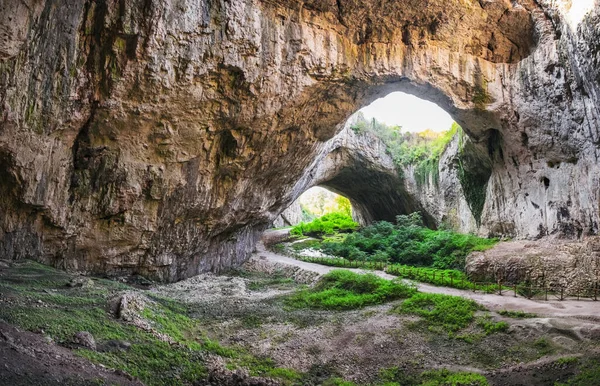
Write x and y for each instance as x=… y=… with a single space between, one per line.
x=579 y=309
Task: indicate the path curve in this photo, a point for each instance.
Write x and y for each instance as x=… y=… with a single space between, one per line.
x=580 y=309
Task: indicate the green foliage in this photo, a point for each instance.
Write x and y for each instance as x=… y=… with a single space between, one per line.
x=567 y=360
x=450 y=313
x=306 y=244
x=408 y=242
x=516 y=314
x=588 y=373
x=326 y=225
x=345 y=290
x=423 y=150
x=441 y=277
x=343 y=205
x=338 y=382
x=448 y=378
x=491 y=327
x=473 y=177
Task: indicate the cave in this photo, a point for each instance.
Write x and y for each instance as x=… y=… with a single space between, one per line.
x=147 y=146
x=200 y=123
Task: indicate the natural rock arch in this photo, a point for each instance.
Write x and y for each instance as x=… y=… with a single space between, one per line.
x=358 y=167
x=161 y=137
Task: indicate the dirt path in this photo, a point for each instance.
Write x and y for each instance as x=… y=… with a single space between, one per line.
x=581 y=309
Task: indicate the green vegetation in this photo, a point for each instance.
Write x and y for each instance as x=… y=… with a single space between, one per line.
x=326 y=225
x=544 y=346
x=491 y=327
x=587 y=374
x=422 y=150
x=408 y=242
x=396 y=377
x=345 y=290
x=318 y=201
x=516 y=314
x=448 y=378
x=567 y=360
x=473 y=174
x=445 y=312
x=42 y=302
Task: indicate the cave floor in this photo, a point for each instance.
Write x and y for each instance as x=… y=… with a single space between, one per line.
x=235 y=329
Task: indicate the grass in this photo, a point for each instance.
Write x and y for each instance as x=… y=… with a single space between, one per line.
x=448 y=378
x=445 y=312
x=345 y=290
x=491 y=327
x=395 y=376
x=326 y=225
x=588 y=372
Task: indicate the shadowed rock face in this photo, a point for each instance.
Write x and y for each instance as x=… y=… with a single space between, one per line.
x=160 y=137
x=358 y=167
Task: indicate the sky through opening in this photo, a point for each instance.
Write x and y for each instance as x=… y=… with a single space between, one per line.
x=408 y=111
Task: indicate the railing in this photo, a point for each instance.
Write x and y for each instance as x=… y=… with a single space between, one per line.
x=458 y=280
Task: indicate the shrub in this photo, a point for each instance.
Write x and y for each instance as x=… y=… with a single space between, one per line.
x=326 y=225
x=450 y=313
x=344 y=290
x=408 y=242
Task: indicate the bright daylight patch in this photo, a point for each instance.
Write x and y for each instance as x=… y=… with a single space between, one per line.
x=578 y=10
x=409 y=112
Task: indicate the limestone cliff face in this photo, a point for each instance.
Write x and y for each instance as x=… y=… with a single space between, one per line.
x=161 y=136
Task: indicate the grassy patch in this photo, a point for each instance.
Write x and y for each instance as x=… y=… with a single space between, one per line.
x=448 y=378
x=449 y=313
x=395 y=376
x=491 y=327
x=345 y=290
x=41 y=302
x=587 y=374
x=544 y=346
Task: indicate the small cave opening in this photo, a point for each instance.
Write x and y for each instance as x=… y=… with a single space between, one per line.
x=546 y=182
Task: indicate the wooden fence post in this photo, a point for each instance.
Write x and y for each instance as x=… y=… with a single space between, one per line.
x=562 y=291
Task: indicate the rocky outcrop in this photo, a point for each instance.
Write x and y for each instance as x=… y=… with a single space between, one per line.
x=292 y=215
x=160 y=137
x=572 y=267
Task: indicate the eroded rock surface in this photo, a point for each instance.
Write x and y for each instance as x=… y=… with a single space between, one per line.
x=572 y=267
x=161 y=137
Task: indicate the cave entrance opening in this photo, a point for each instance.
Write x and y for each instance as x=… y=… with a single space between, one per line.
x=374 y=159
x=314 y=203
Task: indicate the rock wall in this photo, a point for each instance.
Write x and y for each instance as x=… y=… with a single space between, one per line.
x=292 y=215
x=160 y=137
